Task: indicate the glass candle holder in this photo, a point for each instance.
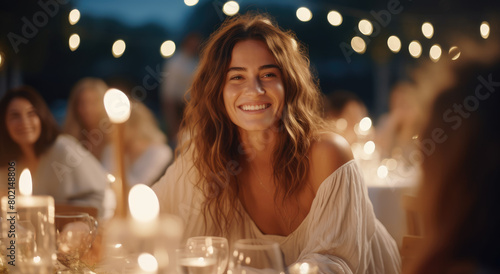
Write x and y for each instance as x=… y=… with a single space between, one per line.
x=28 y=234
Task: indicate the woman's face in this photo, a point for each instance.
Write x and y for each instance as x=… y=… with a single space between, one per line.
x=89 y=108
x=23 y=124
x=253 y=90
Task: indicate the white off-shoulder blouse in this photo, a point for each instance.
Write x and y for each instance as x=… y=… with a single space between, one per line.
x=340 y=233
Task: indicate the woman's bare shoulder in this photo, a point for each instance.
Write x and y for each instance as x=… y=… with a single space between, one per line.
x=329 y=151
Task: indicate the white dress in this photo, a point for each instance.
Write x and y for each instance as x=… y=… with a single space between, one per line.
x=340 y=233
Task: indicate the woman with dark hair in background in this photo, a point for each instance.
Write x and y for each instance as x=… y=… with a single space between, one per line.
x=259 y=162
x=60 y=167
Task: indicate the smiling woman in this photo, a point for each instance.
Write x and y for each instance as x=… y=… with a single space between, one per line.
x=257 y=161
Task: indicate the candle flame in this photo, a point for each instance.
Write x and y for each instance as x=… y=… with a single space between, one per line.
x=25 y=183
x=117 y=105
x=143 y=203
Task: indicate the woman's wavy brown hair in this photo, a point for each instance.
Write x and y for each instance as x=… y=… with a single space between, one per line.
x=215 y=140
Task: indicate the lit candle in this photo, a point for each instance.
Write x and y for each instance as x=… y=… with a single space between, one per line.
x=144 y=209
x=117 y=107
x=30 y=229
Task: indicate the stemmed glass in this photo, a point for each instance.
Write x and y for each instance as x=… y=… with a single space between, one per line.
x=197 y=260
x=256 y=256
x=218 y=242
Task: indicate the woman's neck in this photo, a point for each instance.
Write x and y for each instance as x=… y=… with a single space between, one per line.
x=258 y=146
x=29 y=157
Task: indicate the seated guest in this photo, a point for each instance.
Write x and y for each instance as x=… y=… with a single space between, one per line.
x=146 y=152
x=461 y=171
x=60 y=167
x=86 y=118
x=350 y=108
x=258 y=162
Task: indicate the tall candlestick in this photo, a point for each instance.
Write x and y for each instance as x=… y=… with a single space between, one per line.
x=117 y=107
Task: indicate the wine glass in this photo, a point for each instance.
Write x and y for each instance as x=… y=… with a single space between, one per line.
x=218 y=242
x=197 y=260
x=76 y=232
x=256 y=256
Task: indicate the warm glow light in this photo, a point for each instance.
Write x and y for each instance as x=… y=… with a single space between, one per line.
x=118 y=245
x=147 y=262
x=74 y=16
x=341 y=124
x=36 y=259
x=111 y=178
x=427 y=30
x=365 y=124
x=143 y=203
x=435 y=52
x=118 y=48
x=74 y=41
x=1 y=59
x=358 y=44
x=25 y=183
x=304 y=14
x=382 y=171
x=415 y=49
x=454 y=52
x=365 y=27
x=485 y=29
x=167 y=49
x=117 y=105
x=190 y=2
x=334 y=18
x=369 y=147
x=391 y=164
x=394 y=44
x=231 y=8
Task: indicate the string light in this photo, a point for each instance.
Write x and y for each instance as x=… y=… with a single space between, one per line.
x=304 y=14
x=427 y=30
x=435 y=53
x=358 y=44
x=118 y=48
x=454 y=52
x=365 y=27
x=231 y=8
x=74 y=16
x=394 y=44
x=334 y=18
x=190 y=3
x=167 y=49
x=74 y=41
x=485 y=29
x=415 y=49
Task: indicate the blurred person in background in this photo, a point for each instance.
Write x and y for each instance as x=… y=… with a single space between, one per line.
x=460 y=188
x=397 y=130
x=346 y=110
x=147 y=154
x=178 y=73
x=86 y=118
x=59 y=165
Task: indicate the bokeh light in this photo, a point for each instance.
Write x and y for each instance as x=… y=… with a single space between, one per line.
x=365 y=27
x=415 y=49
x=334 y=18
x=118 y=48
x=485 y=29
x=231 y=8
x=74 y=41
x=365 y=124
x=304 y=14
x=167 y=49
x=147 y=263
x=382 y=171
x=394 y=44
x=190 y=2
x=427 y=30
x=358 y=44
x=74 y=16
x=369 y=147
x=435 y=52
x=454 y=52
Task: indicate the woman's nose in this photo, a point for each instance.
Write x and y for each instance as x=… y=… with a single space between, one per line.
x=255 y=86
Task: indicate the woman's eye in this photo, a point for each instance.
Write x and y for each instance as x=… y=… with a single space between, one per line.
x=236 y=77
x=267 y=75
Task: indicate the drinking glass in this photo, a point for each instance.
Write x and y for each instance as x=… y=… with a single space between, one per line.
x=76 y=232
x=218 y=242
x=197 y=260
x=256 y=256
